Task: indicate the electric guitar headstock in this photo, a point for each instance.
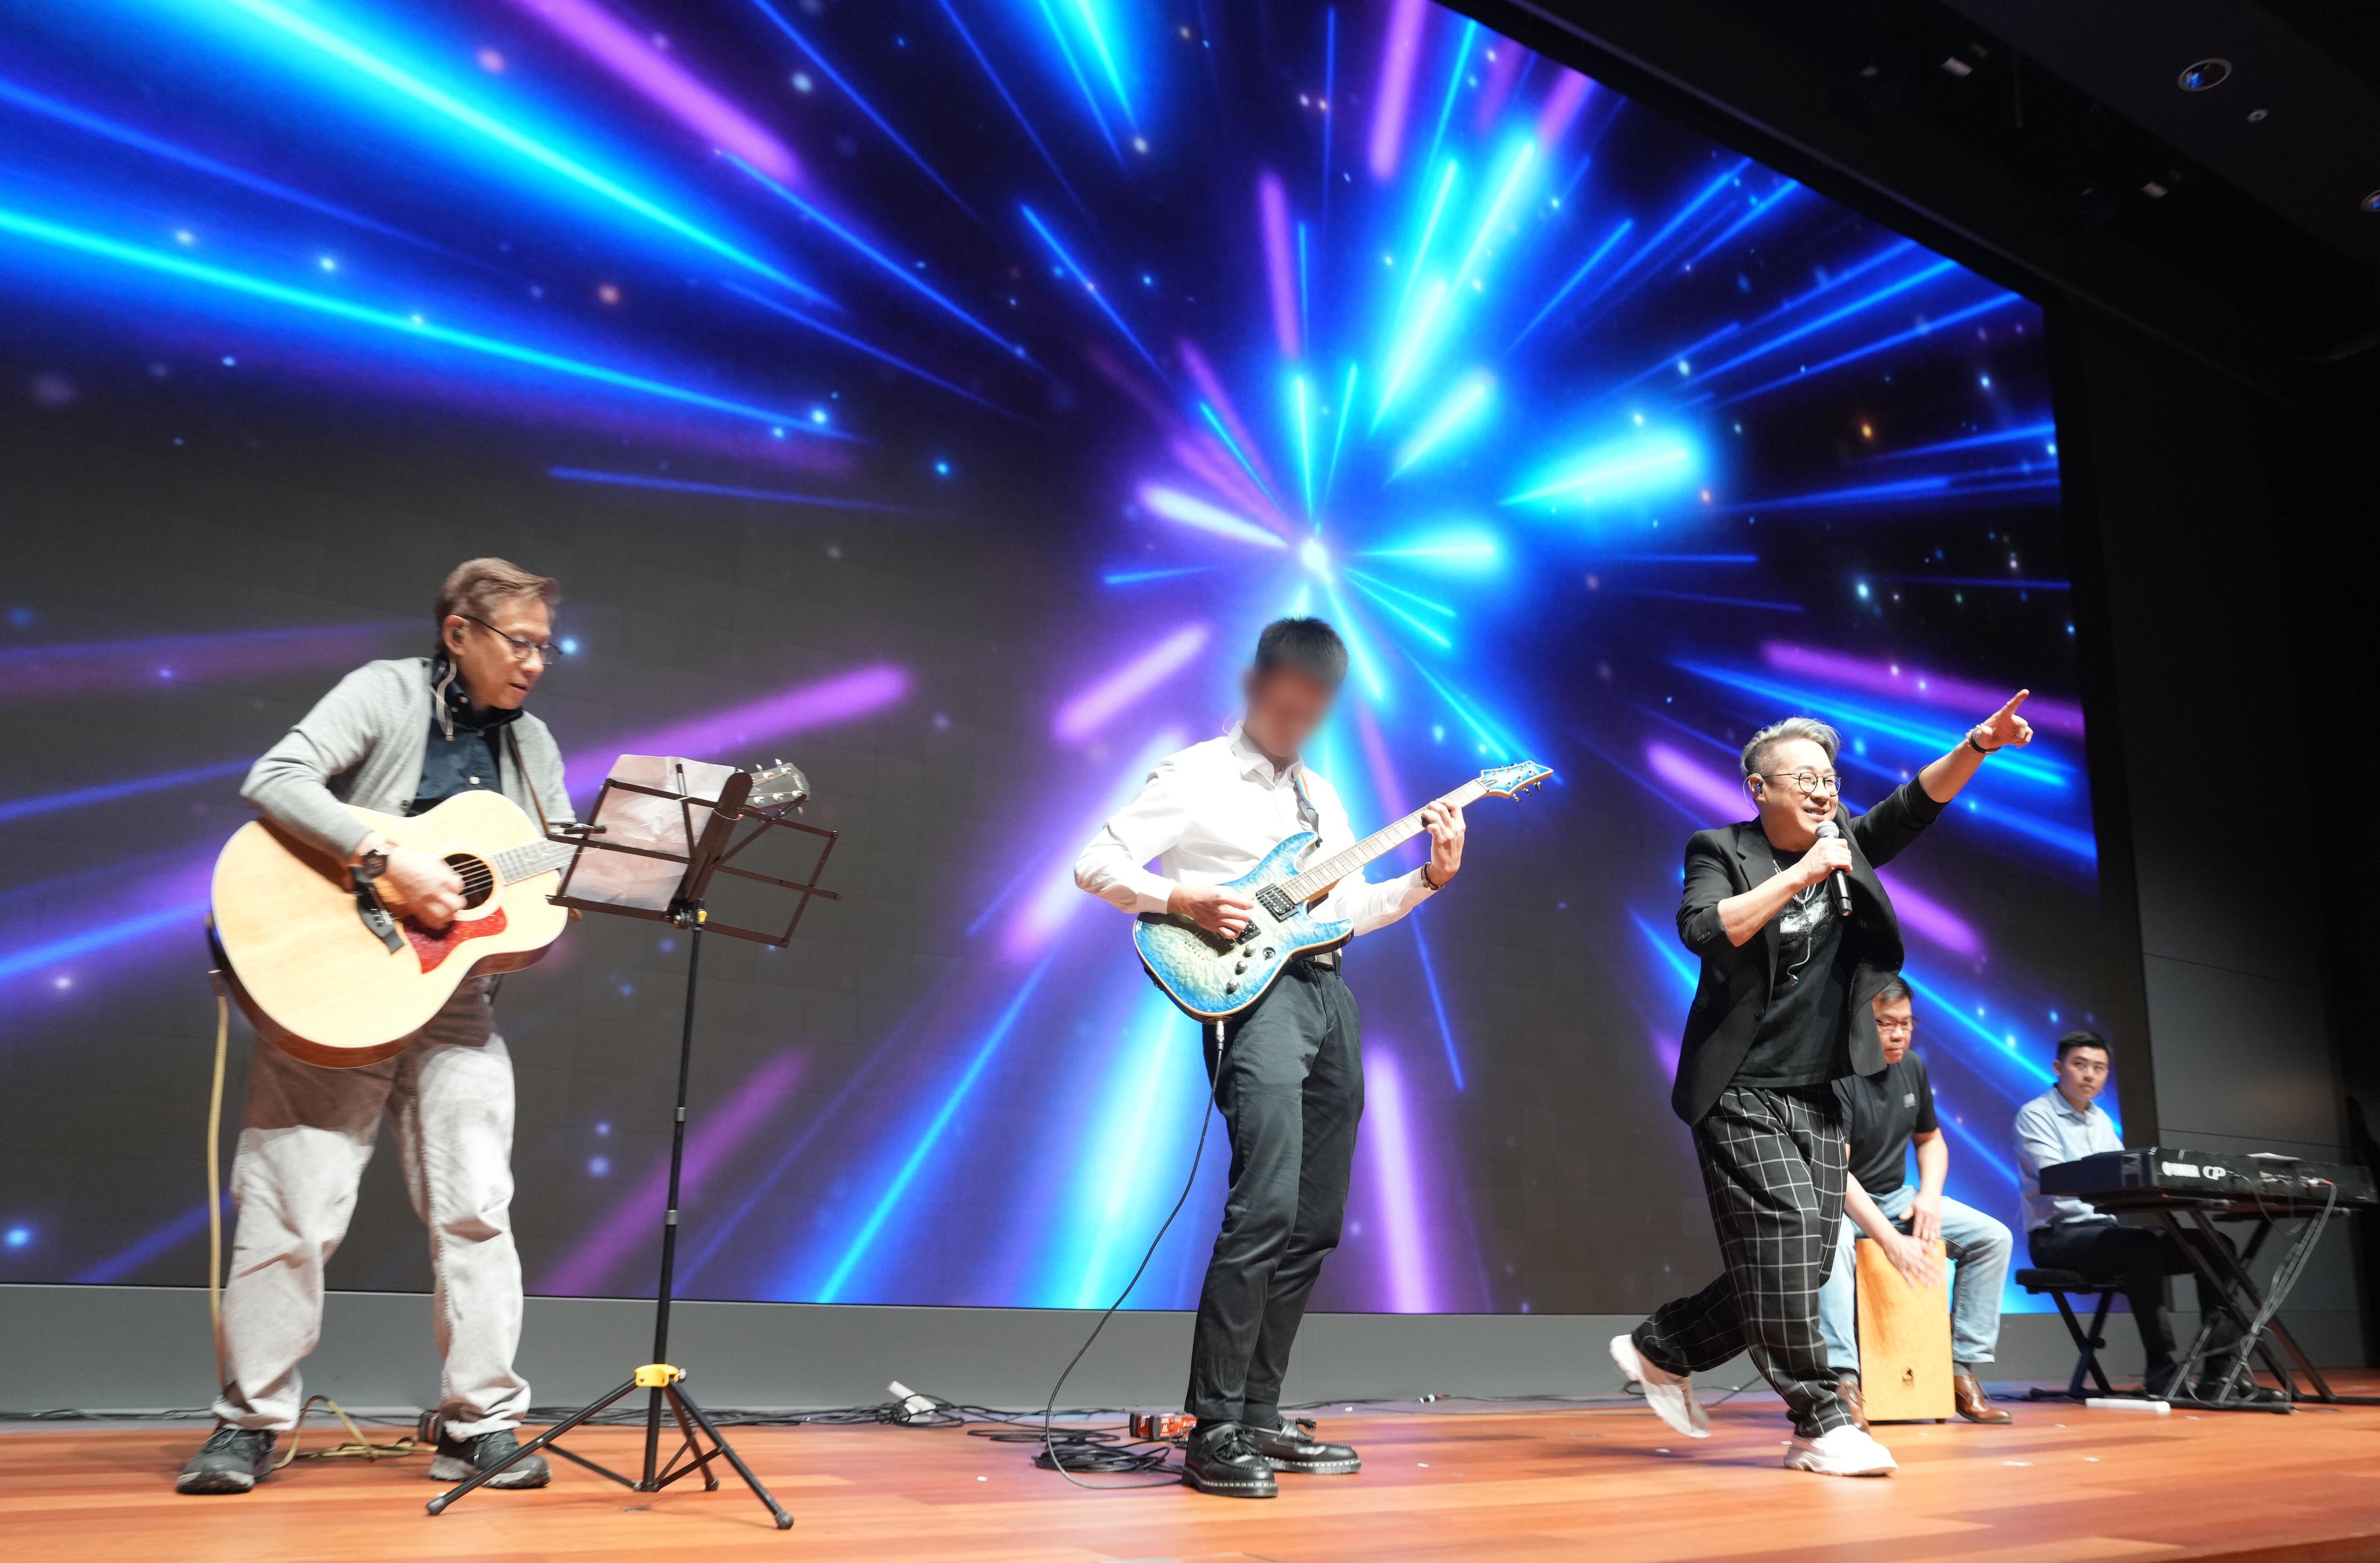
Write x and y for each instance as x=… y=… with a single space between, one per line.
x=1510 y=781
x=780 y=786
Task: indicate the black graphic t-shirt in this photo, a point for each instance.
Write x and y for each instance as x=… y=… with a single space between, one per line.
x=1880 y=1113
x=1804 y=1036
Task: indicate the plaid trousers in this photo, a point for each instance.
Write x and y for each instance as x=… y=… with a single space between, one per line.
x=1773 y=1163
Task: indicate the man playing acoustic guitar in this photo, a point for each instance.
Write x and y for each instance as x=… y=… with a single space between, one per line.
x=1288 y=1072
x=397 y=736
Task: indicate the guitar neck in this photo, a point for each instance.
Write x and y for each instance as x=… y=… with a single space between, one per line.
x=1318 y=877
x=531 y=859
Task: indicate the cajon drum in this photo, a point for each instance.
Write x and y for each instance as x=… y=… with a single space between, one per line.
x=1904 y=1340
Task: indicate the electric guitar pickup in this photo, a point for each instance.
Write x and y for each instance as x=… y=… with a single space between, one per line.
x=1213 y=977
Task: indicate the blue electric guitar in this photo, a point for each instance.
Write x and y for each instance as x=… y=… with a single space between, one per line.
x=1212 y=977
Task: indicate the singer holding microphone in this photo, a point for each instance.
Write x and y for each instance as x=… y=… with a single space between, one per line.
x=1796 y=936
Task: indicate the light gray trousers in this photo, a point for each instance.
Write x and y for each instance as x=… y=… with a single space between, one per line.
x=302 y=1152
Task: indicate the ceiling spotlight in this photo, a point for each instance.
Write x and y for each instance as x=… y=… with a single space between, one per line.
x=2256 y=116
x=2371 y=201
x=2203 y=75
x=2154 y=190
x=1957 y=66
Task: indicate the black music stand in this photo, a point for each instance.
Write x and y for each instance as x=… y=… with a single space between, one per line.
x=663 y=830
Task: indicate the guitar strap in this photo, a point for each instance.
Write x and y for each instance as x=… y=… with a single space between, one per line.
x=1307 y=814
x=512 y=741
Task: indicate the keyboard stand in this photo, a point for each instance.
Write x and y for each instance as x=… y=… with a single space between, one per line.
x=2225 y=1282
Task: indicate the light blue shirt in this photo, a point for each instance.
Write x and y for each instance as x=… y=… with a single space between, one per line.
x=2050 y=1133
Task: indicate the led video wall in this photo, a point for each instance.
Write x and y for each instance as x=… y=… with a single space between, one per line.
x=942 y=393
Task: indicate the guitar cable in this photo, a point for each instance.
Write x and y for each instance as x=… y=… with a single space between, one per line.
x=1101 y=1452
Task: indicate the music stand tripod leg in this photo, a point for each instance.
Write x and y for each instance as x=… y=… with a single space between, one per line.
x=685 y=1403
x=478 y=1479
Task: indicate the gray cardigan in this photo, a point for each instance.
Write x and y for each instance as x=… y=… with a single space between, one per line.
x=363 y=743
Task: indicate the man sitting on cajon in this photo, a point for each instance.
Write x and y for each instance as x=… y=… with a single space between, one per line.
x=1883 y=1115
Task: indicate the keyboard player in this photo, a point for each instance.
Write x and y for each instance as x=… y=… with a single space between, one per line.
x=2064 y=1124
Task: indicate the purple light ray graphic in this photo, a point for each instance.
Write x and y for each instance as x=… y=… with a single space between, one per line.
x=1191 y=511
x=78 y=667
x=716 y=1136
x=1505 y=62
x=1106 y=698
x=1708 y=791
x=1055 y=899
x=1930 y=918
x=843 y=698
x=1390 y=1131
x=1569 y=96
x=1280 y=269
x=1210 y=387
x=1399 y=60
x=610 y=44
x=1915 y=683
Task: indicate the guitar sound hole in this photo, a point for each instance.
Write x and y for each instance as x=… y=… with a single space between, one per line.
x=479 y=879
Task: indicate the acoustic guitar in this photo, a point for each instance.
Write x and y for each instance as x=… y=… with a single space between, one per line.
x=1211 y=977
x=342 y=975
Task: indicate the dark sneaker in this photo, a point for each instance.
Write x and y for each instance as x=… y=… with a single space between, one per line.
x=1293 y=1446
x=231 y=1460
x=1220 y=1460
x=459 y=1459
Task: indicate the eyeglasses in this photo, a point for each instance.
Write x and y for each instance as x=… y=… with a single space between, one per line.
x=1806 y=781
x=544 y=650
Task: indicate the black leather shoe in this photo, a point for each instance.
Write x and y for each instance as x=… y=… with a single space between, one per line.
x=1221 y=1462
x=231 y=1460
x=459 y=1459
x=1292 y=1447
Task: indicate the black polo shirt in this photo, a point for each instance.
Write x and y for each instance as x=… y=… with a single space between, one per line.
x=1880 y=1113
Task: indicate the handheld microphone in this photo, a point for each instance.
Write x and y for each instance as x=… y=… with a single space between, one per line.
x=1829 y=829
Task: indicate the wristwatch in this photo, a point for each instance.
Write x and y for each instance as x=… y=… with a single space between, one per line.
x=372 y=865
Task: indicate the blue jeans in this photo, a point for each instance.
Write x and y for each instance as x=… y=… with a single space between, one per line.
x=1979 y=1244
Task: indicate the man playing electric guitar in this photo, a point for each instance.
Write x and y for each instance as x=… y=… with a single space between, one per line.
x=396 y=737
x=1287 y=1070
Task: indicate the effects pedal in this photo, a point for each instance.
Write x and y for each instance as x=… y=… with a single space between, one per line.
x=1162 y=1427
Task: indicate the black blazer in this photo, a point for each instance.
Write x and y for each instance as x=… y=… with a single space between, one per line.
x=1737 y=978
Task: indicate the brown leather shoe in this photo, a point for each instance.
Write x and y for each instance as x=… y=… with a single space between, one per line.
x=1973 y=1403
x=1848 y=1389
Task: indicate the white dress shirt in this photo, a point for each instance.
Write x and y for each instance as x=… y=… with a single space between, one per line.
x=2050 y=1133
x=1211 y=814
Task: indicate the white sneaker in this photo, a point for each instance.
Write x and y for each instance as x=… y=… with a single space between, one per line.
x=1672 y=1397
x=1844 y=1451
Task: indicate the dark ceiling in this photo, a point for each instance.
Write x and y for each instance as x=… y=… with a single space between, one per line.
x=2050 y=141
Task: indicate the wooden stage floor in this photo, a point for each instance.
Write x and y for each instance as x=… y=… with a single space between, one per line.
x=1604 y=1484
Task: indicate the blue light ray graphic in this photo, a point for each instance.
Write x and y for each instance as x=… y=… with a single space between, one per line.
x=732 y=491
x=157 y=263
x=1883 y=345
x=109 y=792
x=826 y=68
x=906 y=275
x=1014 y=108
x=375 y=62
x=1068 y=263
x=833 y=334
x=1586 y=269
x=927 y=1138
x=124 y=135
x=1082 y=82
